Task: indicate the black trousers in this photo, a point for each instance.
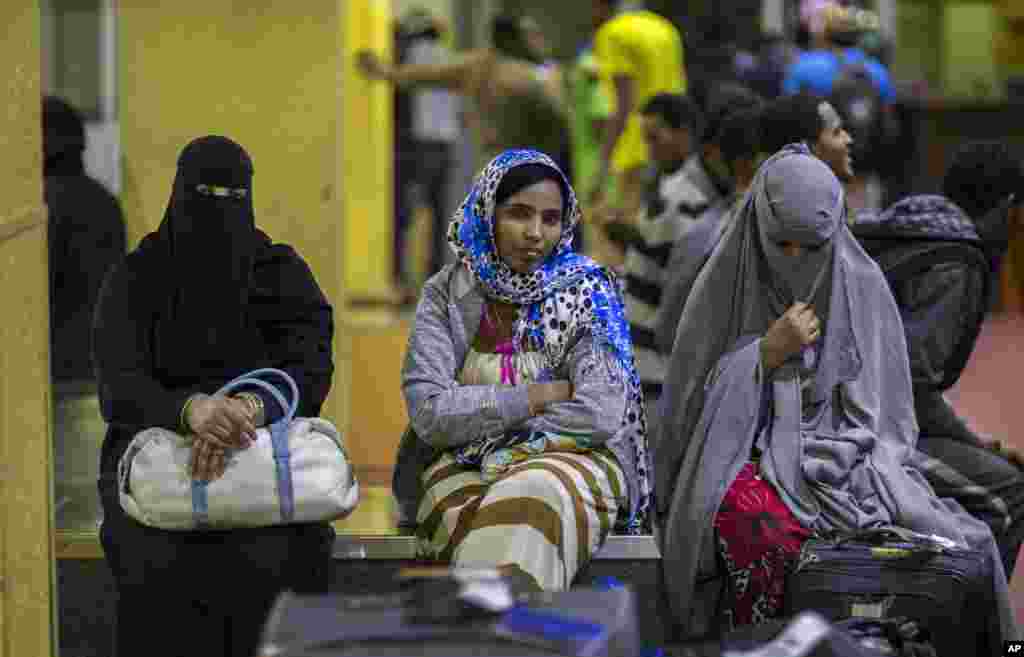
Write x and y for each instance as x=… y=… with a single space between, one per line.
x=200 y=594
x=427 y=165
x=988 y=486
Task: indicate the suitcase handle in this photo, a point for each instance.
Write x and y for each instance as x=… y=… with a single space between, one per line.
x=921 y=542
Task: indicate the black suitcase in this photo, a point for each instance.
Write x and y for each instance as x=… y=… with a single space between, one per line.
x=604 y=621
x=892 y=572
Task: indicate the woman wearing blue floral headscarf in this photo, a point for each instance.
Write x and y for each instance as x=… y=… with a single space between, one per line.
x=527 y=443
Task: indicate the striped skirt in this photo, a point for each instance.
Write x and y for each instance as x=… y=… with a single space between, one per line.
x=544 y=517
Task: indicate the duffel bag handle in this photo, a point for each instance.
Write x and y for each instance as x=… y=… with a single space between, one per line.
x=278 y=438
x=256 y=378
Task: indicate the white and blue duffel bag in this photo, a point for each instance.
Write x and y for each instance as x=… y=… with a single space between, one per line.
x=297 y=471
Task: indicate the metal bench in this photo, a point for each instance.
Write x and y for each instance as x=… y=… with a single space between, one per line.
x=403 y=547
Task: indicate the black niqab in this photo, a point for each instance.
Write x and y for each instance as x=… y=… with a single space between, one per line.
x=211 y=246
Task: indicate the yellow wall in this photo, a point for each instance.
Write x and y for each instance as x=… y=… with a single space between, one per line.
x=265 y=75
x=368 y=154
x=1009 y=42
x=963 y=48
x=918 y=27
x=969 y=65
x=26 y=545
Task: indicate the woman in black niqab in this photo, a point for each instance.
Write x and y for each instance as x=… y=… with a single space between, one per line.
x=208 y=239
x=204 y=298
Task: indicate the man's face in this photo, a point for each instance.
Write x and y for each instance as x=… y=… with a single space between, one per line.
x=833 y=144
x=668 y=146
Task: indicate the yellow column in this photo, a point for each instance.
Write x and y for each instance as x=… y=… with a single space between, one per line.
x=969 y=68
x=270 y=79
x=1009 y=39
x=26 y=544
x=367 y=124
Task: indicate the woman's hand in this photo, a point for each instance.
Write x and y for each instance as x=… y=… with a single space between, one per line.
x=255 y=413
x=208 y=460
x=219 y=424
x=540 y=395
x=796 y=329
x=221 y=421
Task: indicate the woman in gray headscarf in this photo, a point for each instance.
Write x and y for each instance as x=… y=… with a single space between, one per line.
x=787 y=407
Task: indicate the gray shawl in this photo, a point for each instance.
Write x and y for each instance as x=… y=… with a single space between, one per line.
x=838 y=449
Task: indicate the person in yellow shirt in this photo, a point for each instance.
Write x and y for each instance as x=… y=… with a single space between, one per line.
x=639 y=54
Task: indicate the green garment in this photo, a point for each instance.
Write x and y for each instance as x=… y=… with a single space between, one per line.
x=590 y=103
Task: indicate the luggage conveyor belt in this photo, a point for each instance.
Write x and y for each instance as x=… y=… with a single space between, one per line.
x=368 y=553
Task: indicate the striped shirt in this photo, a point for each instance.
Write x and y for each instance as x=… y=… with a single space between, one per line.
x=682 y=197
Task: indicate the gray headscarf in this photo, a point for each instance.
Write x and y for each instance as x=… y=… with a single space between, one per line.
x=738 y=294
x=808 y=215
x=799 y=200
x=838 y=448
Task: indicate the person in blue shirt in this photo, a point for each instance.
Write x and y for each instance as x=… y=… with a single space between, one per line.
x=816 y=70
x=859 y=88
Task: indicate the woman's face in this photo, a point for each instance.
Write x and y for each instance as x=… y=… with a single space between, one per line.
x=528 y=226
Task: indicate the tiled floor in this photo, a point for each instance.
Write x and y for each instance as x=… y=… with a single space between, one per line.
x=989 y=391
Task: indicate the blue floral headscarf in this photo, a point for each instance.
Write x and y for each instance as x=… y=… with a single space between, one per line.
x=565 y=296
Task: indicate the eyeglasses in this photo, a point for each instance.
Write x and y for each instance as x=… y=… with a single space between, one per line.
x=216 y=191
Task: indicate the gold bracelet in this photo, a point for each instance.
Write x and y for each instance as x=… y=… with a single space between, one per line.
x=255 y=404
x=183 y=417
x=247 y=399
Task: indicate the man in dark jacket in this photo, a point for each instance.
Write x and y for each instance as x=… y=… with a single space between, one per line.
x=86 y=237
x=941 y=256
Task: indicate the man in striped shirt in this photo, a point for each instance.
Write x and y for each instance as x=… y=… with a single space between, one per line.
x=740 y=143
x=681 y=192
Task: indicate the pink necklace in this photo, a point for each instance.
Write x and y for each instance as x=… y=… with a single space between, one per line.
x=507 y=348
